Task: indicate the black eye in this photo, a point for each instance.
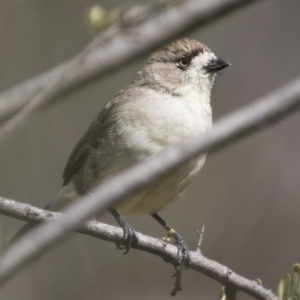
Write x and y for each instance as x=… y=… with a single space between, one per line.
x=183 y=62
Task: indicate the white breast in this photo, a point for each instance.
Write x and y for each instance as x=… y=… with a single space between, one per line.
x=158 y=121
x=166 y=121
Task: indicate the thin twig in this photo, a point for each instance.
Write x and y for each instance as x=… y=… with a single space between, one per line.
x=201 y=235
x=177 y=285
x=145 y=243
x=108 y=51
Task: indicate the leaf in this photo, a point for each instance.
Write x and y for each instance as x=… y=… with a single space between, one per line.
x=296 y=281
x=284 y=288
x=222 y=294
x=99 y=18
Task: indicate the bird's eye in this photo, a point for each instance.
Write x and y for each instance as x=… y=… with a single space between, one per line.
x=183 y=62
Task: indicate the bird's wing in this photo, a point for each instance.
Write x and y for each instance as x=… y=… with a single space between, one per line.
x=88 y=141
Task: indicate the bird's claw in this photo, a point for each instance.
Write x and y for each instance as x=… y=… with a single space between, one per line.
x=182 y=260
x=183 y=254
x=129 y=238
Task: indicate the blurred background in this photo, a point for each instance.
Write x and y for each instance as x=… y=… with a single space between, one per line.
x=247 y=194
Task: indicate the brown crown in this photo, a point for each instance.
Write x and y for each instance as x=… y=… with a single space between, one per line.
x=182 y=47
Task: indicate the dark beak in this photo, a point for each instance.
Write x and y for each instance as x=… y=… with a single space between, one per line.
x=216 y=65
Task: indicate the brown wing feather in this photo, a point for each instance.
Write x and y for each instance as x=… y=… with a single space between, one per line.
x=87 y=142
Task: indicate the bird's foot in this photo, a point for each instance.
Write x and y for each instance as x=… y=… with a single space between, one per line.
x=129 y=238
x=182 y=260
x=183 y=254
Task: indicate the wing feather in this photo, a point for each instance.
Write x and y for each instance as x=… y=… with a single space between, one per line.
x=89 y=141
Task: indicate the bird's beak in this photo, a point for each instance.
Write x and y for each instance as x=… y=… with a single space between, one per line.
x=216 y=65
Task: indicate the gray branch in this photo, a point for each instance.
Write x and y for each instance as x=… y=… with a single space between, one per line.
x=145 y=243
x=259 y=114
x=115 y=47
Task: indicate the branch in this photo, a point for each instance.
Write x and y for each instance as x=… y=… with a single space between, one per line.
x=145 y=243
x=118 y=45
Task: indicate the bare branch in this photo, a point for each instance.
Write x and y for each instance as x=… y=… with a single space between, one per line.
x=108 y=51
x=145 y=243
x=201 y=238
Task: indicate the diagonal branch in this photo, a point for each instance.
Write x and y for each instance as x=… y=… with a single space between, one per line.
x=108 y=51
x=145 y=243
x=259 y=114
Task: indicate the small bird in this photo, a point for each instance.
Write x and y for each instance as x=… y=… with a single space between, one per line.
x=167 y=103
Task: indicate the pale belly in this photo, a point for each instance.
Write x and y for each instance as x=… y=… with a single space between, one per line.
x=150 y=200
x=157 y=196
x=174 y=125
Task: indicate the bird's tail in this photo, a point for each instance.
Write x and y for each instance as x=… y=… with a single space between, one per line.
x=22 y=231
x=66 y=195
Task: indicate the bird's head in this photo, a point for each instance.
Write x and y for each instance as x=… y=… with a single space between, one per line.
x=181 y=65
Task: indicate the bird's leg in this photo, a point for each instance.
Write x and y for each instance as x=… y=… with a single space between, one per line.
x=183 y=255
x=129 y=236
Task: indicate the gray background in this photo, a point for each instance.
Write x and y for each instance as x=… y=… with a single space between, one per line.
x=247 y=194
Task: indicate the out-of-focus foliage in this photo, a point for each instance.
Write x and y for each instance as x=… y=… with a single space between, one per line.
x=100 y=18
x=228 y=295
x=289 y=285
x=223 y=294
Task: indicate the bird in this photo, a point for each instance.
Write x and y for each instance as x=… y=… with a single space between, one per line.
x=167 y=102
